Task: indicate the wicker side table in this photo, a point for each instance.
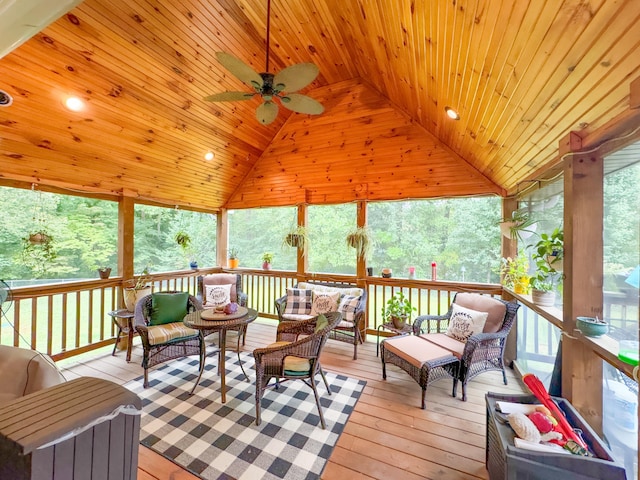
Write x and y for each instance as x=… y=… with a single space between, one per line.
x=123 y=321
x=407 y=329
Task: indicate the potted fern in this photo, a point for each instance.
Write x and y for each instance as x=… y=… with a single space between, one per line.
x=298 y=237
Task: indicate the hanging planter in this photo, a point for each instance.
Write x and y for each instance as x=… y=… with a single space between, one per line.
x=39 y=238
x=361 y=240
x=518 y=226
x=297 y=238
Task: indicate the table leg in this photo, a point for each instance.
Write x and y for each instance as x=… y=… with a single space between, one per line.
x=203 y=356
x=378 y=341
x=130 y=323
x=221 y=367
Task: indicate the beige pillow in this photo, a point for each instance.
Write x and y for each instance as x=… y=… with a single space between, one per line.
x=217 y=295
x=465 y=322
x=324 y=303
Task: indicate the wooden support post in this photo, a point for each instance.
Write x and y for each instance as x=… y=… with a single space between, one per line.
x=510 y=249
x=222 y=237
x=361 y=266
x=126 y=216
x=303 y=262
x=583 y=270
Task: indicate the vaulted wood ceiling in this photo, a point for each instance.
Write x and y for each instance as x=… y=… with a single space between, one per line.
x=522 y=74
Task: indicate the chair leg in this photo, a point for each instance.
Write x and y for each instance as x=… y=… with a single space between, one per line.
x=504 y=376
x=145 y=383
x=315 y=393
x=356 y=337
x=384 y=368
x=424 y=397
x=326 y=384
x=455 y=386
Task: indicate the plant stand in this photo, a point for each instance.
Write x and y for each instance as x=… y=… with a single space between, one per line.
x=123 y=321
x=407 y=329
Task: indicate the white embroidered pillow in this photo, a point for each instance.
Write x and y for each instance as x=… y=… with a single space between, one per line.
x=324 y=303
x=348 y=306
x=217 y=295
x=465 y=322
x=298 y=301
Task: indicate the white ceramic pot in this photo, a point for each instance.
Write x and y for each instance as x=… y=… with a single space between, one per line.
x=542 y=298
x=131 y=296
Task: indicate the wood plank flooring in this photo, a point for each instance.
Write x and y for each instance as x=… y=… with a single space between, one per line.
x=387 y=437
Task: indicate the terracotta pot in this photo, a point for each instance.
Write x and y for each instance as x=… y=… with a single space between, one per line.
x=234 y=262
x=399 y=322
x=104 y=273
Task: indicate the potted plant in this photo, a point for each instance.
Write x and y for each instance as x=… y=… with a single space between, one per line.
x=514 y=273
x=299 y=238
x=38 y=251
x=136 y=288
x=361 y=240
x=518 y=226
x=234 y=261
x=543 y=283
x=551 y=248
x=104 y=272
x=267 y=258
x=183 y=239
x=397 y=310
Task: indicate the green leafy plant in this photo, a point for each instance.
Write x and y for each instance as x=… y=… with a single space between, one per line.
x=550 y=247
x=514 y=272
x=38 y=251
x=361 y=240
x=267 y=257
x=397 y=310
x=298 y=237
x=233 y=254
x=519 y=226
x=184 y=240
x=142 y=281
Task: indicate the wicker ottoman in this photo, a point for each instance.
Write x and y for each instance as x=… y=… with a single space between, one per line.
x=424 y=361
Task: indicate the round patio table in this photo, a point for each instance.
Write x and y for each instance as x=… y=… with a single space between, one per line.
x=208 y=321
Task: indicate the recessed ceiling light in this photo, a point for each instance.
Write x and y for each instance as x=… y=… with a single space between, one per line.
x=451 y=113
x=74 y=104
x=5 y=99
x=208 y=156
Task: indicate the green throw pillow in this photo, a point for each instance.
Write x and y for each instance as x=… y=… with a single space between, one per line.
x=168 y=307
x=321 y=322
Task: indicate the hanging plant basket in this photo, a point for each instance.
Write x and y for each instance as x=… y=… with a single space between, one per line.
x=39 y=238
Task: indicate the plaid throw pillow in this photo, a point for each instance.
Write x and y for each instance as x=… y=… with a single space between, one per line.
x=298 y=301
x=348 y=306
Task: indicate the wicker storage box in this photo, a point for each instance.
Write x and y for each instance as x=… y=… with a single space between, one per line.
x=505 y=461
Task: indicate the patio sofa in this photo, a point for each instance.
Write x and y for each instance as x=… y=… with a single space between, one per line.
x=301 y=300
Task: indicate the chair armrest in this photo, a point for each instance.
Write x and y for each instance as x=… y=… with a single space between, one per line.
x=281 y=303
x=289 y=330
x=419 y=321
x=242 y=299
x=481 y=341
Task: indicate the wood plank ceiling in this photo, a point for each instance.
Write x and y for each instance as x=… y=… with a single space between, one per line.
x=522 y=74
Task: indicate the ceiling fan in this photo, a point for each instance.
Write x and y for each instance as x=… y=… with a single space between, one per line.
x=269 y=86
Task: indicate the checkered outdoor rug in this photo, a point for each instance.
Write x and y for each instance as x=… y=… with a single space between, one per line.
x=221 y=441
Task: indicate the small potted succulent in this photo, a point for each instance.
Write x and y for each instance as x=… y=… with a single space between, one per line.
x=267 y=258
x=397 y=310
x=234 y=261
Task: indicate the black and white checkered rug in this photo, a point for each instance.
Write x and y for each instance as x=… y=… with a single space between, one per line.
x=219 y=441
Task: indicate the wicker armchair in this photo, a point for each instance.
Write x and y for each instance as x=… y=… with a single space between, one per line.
x=271 y=360
x=482 y=352
x=345 y=331
x=237 y=295
x=161 y=343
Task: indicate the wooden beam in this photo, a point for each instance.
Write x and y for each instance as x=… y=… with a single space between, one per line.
x=303 y=262
x=583 y=267
x=222 y=237
x=510 y=249
x=361 y=219
x=126 y=215
x=634 y=94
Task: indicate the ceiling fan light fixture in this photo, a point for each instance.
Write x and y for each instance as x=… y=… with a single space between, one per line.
x=451 y=113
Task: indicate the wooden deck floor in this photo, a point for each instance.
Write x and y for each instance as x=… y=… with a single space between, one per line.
x=387 y=437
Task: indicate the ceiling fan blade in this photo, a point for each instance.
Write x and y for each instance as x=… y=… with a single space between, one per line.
x=295 y=77
x=229 y=96
x=302 y=104
x=267 y=112
x=240 y=69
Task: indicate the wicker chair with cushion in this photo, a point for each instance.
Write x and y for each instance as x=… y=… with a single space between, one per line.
x=478 y=352
x=210 y=291
x=351 y=302
x=295 y=356
x=158 y=321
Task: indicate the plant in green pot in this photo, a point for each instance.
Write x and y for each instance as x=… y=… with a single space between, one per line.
x=550 y=247
x=397 y=310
